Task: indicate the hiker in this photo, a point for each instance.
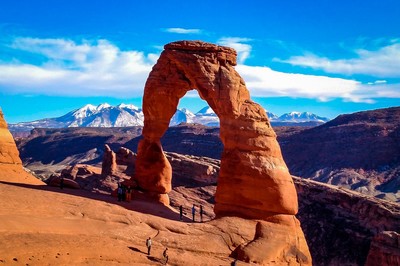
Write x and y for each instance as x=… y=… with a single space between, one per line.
x=165 y=255
x=180 y=212
x=128 y=194
x=201 y=213
x=193 y=212
x=119 y=192
x=61 y=182
x=148 y=244
x=123 y=196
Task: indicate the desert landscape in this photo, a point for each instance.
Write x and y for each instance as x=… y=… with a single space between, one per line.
x=64 y=210
x=200 y=133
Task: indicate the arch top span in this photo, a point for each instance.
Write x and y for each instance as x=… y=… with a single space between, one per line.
x=226 y=53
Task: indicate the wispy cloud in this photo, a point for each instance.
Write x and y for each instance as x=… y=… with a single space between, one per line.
x=239 y=44
x=87 y=68
x=183 y=31
x=383 y=62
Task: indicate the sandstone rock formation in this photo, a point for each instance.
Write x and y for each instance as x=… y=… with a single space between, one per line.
x=340 y=224
x=109 y=164
x=192 y=169
x=10 y=164
x=128 y=158
x=385 y=249
x=254 y=181
x=8 y=151
x=54 y=181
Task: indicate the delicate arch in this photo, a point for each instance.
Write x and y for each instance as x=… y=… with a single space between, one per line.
x=254 y=181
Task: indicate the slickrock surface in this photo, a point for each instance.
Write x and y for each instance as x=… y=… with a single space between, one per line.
x=254 y=181
x=42 y=225
x=10 y=164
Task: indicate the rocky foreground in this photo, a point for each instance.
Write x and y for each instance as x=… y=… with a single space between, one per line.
x=342 y=227
x=41 y=225
x=46 y=225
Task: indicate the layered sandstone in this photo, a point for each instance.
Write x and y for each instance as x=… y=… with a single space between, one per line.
x=254 y=181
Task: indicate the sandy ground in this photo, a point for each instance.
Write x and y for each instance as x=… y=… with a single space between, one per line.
x=42 y=225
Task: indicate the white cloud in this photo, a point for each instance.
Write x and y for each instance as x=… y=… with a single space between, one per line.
x=239 y=44
x=384 y=62
x=183 y=31
x=101 y=69
x=377 y=82
x=265 y=82
x=88 y=68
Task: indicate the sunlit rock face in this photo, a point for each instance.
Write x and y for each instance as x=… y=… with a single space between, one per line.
x=254 y=181
x=8 y=150
x=11 y=169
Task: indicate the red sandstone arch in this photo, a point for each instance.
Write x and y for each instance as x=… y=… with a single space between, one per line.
x=254 y=181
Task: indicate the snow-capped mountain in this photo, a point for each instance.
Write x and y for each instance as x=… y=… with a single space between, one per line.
x=206 y=111
x=103 y=115
x=298 y=117
x=206 y=116
x=271 y=116
x=124 y=115
x=182 y=116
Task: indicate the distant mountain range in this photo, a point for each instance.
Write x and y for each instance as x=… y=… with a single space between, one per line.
x=124 y=115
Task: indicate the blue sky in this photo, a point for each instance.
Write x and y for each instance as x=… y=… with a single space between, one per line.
x=327 y=57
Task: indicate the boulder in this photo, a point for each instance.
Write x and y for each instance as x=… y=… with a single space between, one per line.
x=54 y=181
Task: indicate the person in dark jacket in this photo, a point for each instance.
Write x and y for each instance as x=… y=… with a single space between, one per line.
x=194 y=212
